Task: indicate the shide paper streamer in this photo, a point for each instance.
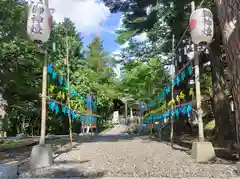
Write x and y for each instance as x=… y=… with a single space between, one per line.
x=57 y=107
x=187 y=72
x=177 y=111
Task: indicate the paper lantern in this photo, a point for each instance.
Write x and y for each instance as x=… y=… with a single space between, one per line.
x=201 y=26
x=39 y=22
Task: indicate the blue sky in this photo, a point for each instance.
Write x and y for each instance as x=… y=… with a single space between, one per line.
x=107 y=37
x=91 y=18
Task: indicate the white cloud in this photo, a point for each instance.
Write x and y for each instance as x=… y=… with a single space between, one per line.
x=88 y=15
x=125 y=45
x=149 y=9
x=141 y=37
x=117 y=68
x=120 y=25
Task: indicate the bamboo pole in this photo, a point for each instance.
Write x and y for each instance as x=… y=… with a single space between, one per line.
x=198 y=89
x=44 y=98
x=173 y=76
x=44 y=93
x=68 y=98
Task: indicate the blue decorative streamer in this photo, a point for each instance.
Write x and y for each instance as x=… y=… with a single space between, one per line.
x=168 y=112
x=60 y=80
x=73 y=114
x=177 y=80
x=89 y=102
x=177 y=112
x=189 y=108
x=94 y=106
x=56 y=108
x=190 y=70
x=182 y=75
x=184 y=110
x=174 y=113
x=50 y=68
x=64 y=109
x=52 y=105
x=160 y=117
x=54 y=75
x=168 y=88
x=73 y=92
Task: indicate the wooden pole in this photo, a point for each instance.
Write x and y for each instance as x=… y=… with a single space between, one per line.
x=91 y=116
x=69 y=92
x=173 y=76
x=44 y=98
x=198 y=89
x=44 y=94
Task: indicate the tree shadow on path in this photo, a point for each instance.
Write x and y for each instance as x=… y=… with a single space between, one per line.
x=107 y=138
x=223 y=156
x=66 y=173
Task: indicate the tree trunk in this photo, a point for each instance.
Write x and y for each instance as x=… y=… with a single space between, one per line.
x=23 y=126
x=220 y=102
x=1 y=131
x=18 y=130
x=228 y=15
x=32 y=129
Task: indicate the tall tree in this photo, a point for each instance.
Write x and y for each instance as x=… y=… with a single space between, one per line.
x=20 y=67
x=228 y=15
x=95 y=56
x=100 y=73
x=220 y=87
x=172 y=18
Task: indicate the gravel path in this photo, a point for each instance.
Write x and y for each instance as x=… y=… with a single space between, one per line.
x=125 y=156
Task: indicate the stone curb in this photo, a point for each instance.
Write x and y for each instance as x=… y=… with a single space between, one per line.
x=137 y=178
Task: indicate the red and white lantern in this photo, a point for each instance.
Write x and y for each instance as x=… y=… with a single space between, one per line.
x=201 y=26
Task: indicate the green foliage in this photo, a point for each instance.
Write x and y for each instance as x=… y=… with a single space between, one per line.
x=21 y=72
x=91 y=69
x=143 y=80
x=159 y=19
x=124 y=36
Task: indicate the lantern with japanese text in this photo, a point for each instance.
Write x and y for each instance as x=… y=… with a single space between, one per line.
x=39 y=22
x=201 y=26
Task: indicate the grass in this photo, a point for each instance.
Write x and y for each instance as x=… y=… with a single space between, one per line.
x=12 y=144
x=15 y=144
x=20 y=150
